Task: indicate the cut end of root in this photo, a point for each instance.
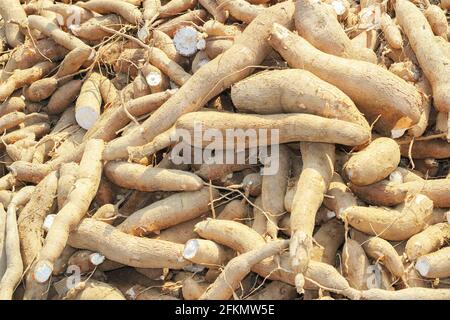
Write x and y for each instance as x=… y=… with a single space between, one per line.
x=331 y=214
x=397 y=133
x=338 y=7
x=153 y=79
x=96 y=258
x=43 y=272
x=86 y=116
x=190 y=249
x=423 y=267
x=48 y=222
x=187 y=41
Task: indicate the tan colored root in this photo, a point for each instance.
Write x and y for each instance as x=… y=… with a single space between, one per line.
x=70 y=215
x=291 y=127
x=390 y=114
x=392 y=224
x=150 y=179
x=435 y=264
x=424 y=44
x=32 y=217
x=271 y=92
x=235 y=270
x=127 y=10
x=168 y=212
x=117 y=246
x=427 y=241
x=207 y=253
x=197 y=91
x=384 y=157
x=318 y=167
x=355 y=265
x=381 y=250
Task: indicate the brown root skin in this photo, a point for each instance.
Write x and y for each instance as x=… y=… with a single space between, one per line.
x=273 y=191
x=116 y=118
x=276 y=290
x=63 y=97
x=319 y=25
x=51 y=30
x=215 y=47
x=235 y=270
x=241 y=10
x=207 y=253
x=193 y=289
x=41 y=89
x=340 y=196
x=164 y=42
x=235 y=210
x=219 y=14
x=423 y=42
x=21 y=78
x=195 y=16
x=67 y=176
x=251 y=46
x=168 y=212
x=94 y=290
x=435 y=148
x=12 y=10
x=435 y=264
x=70 y=215
x=330 y=237
x=391 y=31
x=128 y=11
x=89 y=101
x=161 y=141
x=277 y=92
x=381 y=250
x=32 y=217
x=437 y=20
x=398 y=224
x=150 y=179
x=318 y=167
x=384 y=156
x=351 y=76
x=427 y=241
x=175 y=7
x=90 y=30
x=117 y=246
x=355 y=265
x=151 y=9
x=14 y=264
x=292 y=127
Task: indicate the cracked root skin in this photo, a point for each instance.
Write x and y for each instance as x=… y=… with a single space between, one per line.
x=398 y=103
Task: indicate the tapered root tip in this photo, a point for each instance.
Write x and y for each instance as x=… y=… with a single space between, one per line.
x=190 y=249
x=42 y=272
x=422 y=266
x=86 y=116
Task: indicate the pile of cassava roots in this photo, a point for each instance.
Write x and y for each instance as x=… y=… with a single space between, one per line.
x=333 y=116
